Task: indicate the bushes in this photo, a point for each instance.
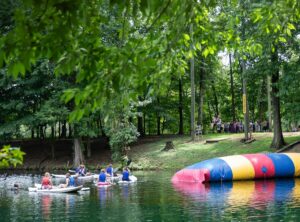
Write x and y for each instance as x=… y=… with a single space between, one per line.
x=120 y=139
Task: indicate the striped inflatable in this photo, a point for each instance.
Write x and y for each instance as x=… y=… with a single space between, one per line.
x=242 y=167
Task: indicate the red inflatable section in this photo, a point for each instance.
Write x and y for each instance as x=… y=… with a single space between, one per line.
x=103 y=183
x=262 y=164
x=192 y=175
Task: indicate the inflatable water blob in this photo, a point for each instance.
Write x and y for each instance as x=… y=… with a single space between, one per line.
x=241 y=167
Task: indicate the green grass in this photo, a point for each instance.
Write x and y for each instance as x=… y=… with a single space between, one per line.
x=149 y=156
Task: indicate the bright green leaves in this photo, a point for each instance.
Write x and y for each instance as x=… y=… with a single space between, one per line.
x=186 y=37
x=68 y=95
x=10 y=156
x=282 y=39
x=210 y=50
x=16 y=69
x=290 y=26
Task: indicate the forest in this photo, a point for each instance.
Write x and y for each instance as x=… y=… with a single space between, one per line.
x=128 y=69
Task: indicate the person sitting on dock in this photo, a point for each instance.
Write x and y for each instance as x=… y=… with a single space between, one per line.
x=81 y=170
x=126 y=174
x=70 y=181
x=46 y=181
x=102 y=176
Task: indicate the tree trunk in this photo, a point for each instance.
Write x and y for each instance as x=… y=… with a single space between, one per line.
x=216 y=102
x=38 y=133
x=59 y=129
x=70 y=131
x=78 y=156
x=41 y=132
x=45 y=131
x=140 y=127
x=269 y=103
x=210 y=116
x=180 y=109
x=101 y=127
x=201 y=95
x=52 y=132
x=163 y=125
x=88 y=148
x=158 y=120
x=32 y=133
x=192 y=66
x=158 y=125
x=149 y=126
x=144 y=123
x=232 y=91
x=278 y=140
x=64 y=129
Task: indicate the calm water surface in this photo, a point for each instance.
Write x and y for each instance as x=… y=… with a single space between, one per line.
x=154 y=198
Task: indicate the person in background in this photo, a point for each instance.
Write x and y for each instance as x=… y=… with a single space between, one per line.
x=109 y=170
x=46 y=181
x=102 y=176
x=126 y=174
x=81 y=170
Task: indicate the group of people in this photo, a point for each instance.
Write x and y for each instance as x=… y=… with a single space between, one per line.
x=47 y=182
x=238 y=126
x=105 y=175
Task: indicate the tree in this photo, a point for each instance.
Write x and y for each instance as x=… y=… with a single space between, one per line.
x=10 y=156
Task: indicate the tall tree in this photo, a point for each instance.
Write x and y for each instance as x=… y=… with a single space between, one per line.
x=278 y=140
x=232 y=90
x=180 y=107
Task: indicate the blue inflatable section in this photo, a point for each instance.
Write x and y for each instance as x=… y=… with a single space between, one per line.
x=283 y=189
x=284 y=166
x=218 y=169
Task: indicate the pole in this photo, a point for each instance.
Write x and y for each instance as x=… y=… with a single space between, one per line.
x=245 y=102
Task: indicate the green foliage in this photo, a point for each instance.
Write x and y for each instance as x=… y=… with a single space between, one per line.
x=90 y=62
x=121 y=138
x=10 y=156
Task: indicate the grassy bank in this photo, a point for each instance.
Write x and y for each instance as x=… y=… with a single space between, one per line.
x=149 y=155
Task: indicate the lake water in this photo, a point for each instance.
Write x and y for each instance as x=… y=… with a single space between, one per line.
x=154 y=198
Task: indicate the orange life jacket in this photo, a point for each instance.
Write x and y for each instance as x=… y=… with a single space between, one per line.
x=45 y=181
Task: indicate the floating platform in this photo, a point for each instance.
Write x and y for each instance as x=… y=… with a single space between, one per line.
x=241 y=167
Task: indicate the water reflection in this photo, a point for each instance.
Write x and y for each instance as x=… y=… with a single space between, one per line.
x=257 y=194
x=125 y=192
x=46 y=206
x=55 y=204
x=153 y=199
x=104 y=194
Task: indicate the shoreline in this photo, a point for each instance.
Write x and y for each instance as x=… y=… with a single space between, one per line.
x=148 y=153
